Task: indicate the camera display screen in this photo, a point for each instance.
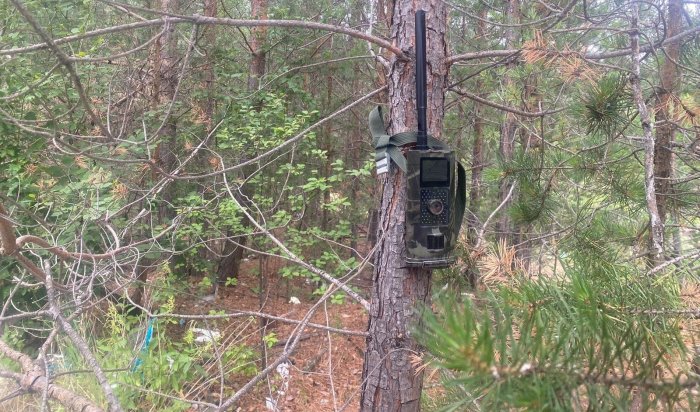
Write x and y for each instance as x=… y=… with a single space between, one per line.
x=434 y=172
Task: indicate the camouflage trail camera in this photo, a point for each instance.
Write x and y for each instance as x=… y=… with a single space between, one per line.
x=436 y=182
x=431 y=208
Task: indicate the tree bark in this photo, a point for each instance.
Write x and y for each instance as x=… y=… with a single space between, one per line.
x=656 y=227
x=210 y=10
x=665 y=129
x=256 y=68
x=165 y=82
x=164 y=60
x=504 y=226
x=33 y=380
x=532 y=102
x=392 y=382
x=477 y=164
x=230 y=265
x=471 y=270
x=327 y=139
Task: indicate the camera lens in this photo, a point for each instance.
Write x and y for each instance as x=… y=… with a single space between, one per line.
x=436 y=206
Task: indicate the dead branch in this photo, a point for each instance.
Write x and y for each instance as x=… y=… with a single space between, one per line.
x=33 y=380
x=487 y=54
x=79 y=343
x=66 y=62
x=217 y=21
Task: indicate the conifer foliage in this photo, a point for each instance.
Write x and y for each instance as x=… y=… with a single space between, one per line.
x=590 y=340
x=185 y=184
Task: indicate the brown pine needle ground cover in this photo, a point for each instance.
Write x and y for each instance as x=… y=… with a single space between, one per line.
x=327 y=380
x=319 y=379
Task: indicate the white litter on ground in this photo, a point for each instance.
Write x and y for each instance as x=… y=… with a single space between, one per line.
x=206 y=335
x=282 y=370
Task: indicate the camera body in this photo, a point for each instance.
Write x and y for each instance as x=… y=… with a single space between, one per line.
x=431 y=232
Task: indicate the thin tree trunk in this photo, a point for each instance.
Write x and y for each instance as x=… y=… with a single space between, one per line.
x=233 y=254
x=165 y=83
x=164 y=58
x=353 y=152
x=504 y=226
x=209 y=103
x=471 y=271
x=477 y=164
x=477 y=167
x=209 y=35
x=665 y=129
x=262 y=300
x=528 y=141
x=392 y=380
x=328 y=147
x=656 y=244
x=256 y=71
x=256 y=68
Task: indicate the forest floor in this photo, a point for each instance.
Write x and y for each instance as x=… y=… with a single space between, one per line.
x=326 y=368
x=324 y=372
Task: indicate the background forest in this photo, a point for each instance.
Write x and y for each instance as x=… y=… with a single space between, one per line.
x=190 y=213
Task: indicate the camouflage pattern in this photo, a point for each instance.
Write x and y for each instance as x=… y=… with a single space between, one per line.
x=430 y=237
x=422 y=227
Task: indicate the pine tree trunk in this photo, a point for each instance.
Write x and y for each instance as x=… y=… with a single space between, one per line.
x=353 y=151
x=165 y=62
x=256 y=68
x=656 y=227
x=665 y=129
x=210 y=44
x=471 y=271
x=477 y=164
x=208 y=104
x=392 y=382
x=504 y=226
x=327 y=139
x=528 y=141
x=230 y=265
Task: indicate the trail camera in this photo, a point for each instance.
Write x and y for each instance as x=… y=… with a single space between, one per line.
x=434 y=208
x=430 y=208
x=436 y=182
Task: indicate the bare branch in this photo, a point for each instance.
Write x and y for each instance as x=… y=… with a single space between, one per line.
x=673 y=261
x=33 y=380
x=216 y=21
x=244 y=313
x=480 y=237
x=503 y=107
x=288 y=350
x=325 y=275
x=279 y=147
x=79 y=343
x=486 y=54
x=65 y=61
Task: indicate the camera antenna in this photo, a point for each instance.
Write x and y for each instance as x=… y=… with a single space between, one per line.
x=421 y=93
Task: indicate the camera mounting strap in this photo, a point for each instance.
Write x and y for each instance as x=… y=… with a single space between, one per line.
x=387 y=149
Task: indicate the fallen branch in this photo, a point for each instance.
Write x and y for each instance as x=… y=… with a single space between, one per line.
x=33 y=380
x=245 y=313
x=79 y=343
